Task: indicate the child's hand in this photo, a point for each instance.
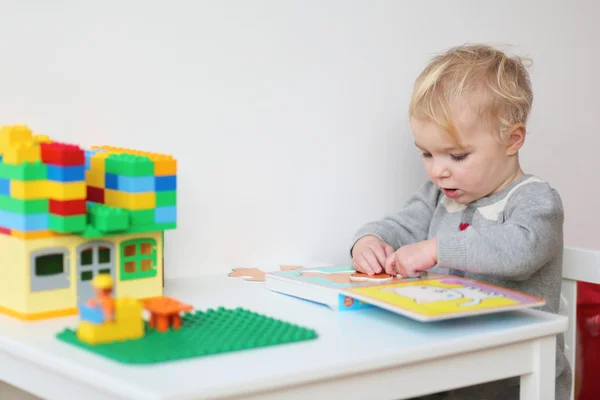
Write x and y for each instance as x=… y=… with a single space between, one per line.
x=369 y=255
x=410 y=260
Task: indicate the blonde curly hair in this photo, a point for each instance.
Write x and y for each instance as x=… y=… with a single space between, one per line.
x=495 y=86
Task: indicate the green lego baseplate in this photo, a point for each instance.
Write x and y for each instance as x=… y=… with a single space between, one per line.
x=202 y=333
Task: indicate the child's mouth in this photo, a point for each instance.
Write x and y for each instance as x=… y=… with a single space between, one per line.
x=451 y=193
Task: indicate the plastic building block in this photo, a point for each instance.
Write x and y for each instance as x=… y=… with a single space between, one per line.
x=142 y=217
x=28 y=235
x=92 y=233
x=128 y=325
x=66 y=190
x=12 y=136
x=28 y=190
x=65 y=207
x=136 y=184
x=24 y=172
x=166 y=214
x=166 y=198
x=165 y=183
x=130 y=201
x=95 y=194
x=213 y=331
x=95 y=178
x=163 y=164
x=108 y=219
x=7 y=203
x=75 y=173
x=129 y=165
x=69 y=224
x=62 y=154
x=165 y=313
x=23 y=222
x=4 y=187
x=25 y=151
x=4 y=231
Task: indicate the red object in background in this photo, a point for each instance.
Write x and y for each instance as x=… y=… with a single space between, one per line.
x=62 y=154
x=95 y=194
x=588 y=325
x=67 y=207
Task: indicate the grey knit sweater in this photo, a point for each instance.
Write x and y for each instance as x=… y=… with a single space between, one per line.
x=513 y=239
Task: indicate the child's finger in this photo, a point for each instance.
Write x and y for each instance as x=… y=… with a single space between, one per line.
x=380 y=256
x=364 y=264
x=389 y=250
x=373 y=262
x=389 y=264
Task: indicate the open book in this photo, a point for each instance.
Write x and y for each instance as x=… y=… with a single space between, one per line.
x=428 y=298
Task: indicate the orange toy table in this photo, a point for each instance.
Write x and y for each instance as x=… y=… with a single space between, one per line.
x=165 y=312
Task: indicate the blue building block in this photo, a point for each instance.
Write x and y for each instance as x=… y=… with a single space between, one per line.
x=164 y=215
x=24 y=222
x=111 y=181
x=136 y=184
x=165 y=183
x=74 y=173
x=5 y=187
x=91 y=314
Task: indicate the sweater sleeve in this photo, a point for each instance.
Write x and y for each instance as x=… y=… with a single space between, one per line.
x=528 y=238
x=410 y=224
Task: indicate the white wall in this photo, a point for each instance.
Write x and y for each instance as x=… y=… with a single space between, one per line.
x=288 y=118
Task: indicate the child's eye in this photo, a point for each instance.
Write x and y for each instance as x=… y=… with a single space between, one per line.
x=426 y=155
x=458 y=157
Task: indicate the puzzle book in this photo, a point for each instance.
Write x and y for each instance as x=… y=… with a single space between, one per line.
x=324 y=285
x=428 y=298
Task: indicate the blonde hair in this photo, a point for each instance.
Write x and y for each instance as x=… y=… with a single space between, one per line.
x=488 y=81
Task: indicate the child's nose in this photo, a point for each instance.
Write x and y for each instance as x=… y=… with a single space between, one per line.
x=440 y=170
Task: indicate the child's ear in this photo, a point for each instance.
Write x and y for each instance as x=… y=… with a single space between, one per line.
x=515 y=139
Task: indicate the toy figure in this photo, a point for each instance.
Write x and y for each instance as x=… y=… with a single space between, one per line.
x=103 y=286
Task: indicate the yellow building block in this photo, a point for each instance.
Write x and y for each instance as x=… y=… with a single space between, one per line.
x=98 y=162
x=28 y=190
x=25 y=151
x=164 y=165
x=95 y=178
x=129 y=201
x=66 y=190
x=42 y=139
x=11 y=136
x=128 y=325
x=32 y=234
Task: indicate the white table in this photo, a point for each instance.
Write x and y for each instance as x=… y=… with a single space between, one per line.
x=359 y=354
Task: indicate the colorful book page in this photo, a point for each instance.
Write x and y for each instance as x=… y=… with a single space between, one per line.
x=442 y=297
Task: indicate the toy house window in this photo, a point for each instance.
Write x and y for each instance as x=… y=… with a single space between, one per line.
x=138 y=259
x=49 y=269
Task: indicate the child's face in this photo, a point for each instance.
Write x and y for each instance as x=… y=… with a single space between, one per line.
x=481 y=167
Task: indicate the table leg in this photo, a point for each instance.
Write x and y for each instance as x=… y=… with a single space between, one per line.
x=540 y=384
x=162 y=323
x=176 y=321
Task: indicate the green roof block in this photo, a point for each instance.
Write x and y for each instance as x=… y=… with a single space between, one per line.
x=108 y=219
x=129 y=165
x=93 y=233
x=24 y=172
x=202 y=333
x=23 y=206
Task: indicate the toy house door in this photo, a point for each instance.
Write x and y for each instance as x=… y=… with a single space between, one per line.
x=93 y=258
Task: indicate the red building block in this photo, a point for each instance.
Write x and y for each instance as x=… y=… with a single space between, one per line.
x=68 y=207
x=95 y=194
x=62 y=154
x=4 y=231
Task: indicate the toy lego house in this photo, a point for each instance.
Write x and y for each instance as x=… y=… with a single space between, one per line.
x=68 y=214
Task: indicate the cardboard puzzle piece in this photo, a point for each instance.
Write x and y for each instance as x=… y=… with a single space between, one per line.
x=255 y=274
